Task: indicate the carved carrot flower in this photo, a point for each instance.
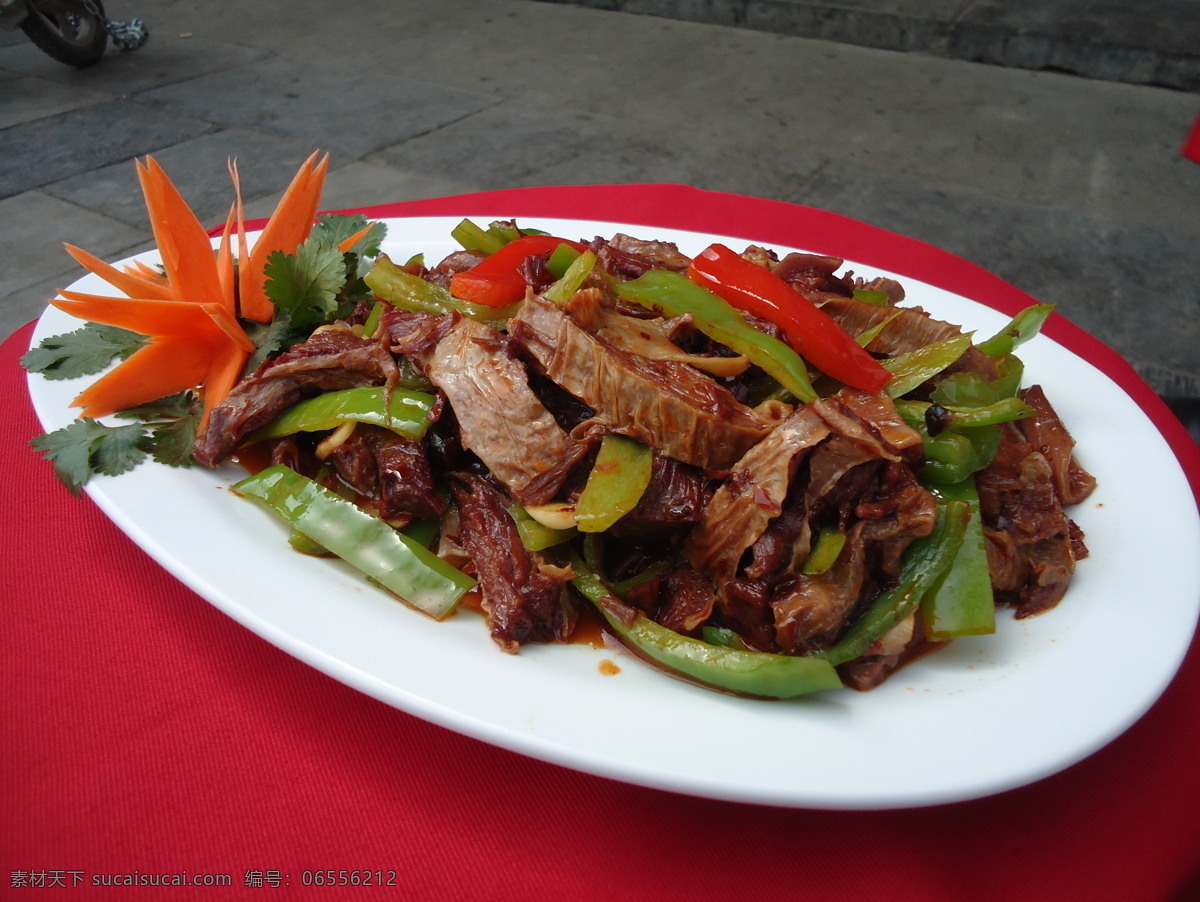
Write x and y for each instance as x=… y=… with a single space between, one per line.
x=189 y=312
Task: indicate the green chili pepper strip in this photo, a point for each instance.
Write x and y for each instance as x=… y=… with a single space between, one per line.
x=866 y=337
x=572 y=278
x=536 y=536
x=969 y=390
x=959 y=450
x=962 y=603
x=729 y=669
x=1005 y=410
x=1020 y=329
x=824 y=554
x=474 y=237
x=911 y=369
x=406 y=413
x=403 y=566
x=371 y=323
x=870 y=296
x=952 y=457
x=561 y=259
x=675 y=294
x=926 y=560
x=616 y=484
x=724 y=637
x=410 y=292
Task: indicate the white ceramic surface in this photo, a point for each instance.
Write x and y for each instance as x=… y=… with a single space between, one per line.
x=981 y=716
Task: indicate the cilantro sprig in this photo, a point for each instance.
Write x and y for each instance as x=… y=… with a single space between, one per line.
x=318 y=284
x=315 y=286
x=164 y=430
x=84 y=352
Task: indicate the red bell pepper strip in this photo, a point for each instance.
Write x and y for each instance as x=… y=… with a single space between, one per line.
x=813 y=334
x=496 y=280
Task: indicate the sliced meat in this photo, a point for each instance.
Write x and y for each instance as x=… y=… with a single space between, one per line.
x=668 y=405
x=524 y=598
x=883 y=509
x=628 y=257
x=811 y=610
x=821 y=467
x=651 y=338
x=500 y=418
x=414 y=334
x=745 y=605
x=330 y=360
x=753 y=495
x=868 y=444
x=876 y=415
x=1046 y=432
x=893 y=512
x=1032 y=545
x=406 y=483
x=688 y=600
x=676 y=497
x=786 y=542
x=813 y=275
x=390 y=470
x=907 y=329
x=899 y=645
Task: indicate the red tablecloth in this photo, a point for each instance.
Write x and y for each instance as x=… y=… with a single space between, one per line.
x=1191 y=144
x=145 y=733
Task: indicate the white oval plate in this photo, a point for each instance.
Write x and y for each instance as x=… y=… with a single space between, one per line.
x=981 y=716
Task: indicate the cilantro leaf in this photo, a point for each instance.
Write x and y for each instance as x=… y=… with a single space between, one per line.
x=171 y=443
x=334 y=228
x=81 y=353
x=269 y=338
x=87 y=446
x=356 y=290
x=306 y=286
x=120 y=449
x=172 y=407
x=173 y=422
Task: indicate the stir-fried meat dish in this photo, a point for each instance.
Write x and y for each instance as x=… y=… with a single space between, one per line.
x=744 y=515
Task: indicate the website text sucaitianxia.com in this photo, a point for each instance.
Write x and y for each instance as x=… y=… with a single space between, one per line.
x=47 y=878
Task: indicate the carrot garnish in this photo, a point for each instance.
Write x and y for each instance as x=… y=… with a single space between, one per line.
x=169 y=366
x=346 y=243
x=287 y=228
x=186 y=344
x=226 y=272
x=227 y=323
x=147 y=271
x=239 y=218
x=141 y=283
x=189 y=311
x=186 y=249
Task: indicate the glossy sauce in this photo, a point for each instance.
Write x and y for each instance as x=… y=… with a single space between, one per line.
x=253 y=458
x=589 y=629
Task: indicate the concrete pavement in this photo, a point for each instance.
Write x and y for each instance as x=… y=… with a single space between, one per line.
x=1072 y=188
x=1151 y=42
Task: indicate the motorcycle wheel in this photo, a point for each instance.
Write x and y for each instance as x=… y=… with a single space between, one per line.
x=71 y=31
